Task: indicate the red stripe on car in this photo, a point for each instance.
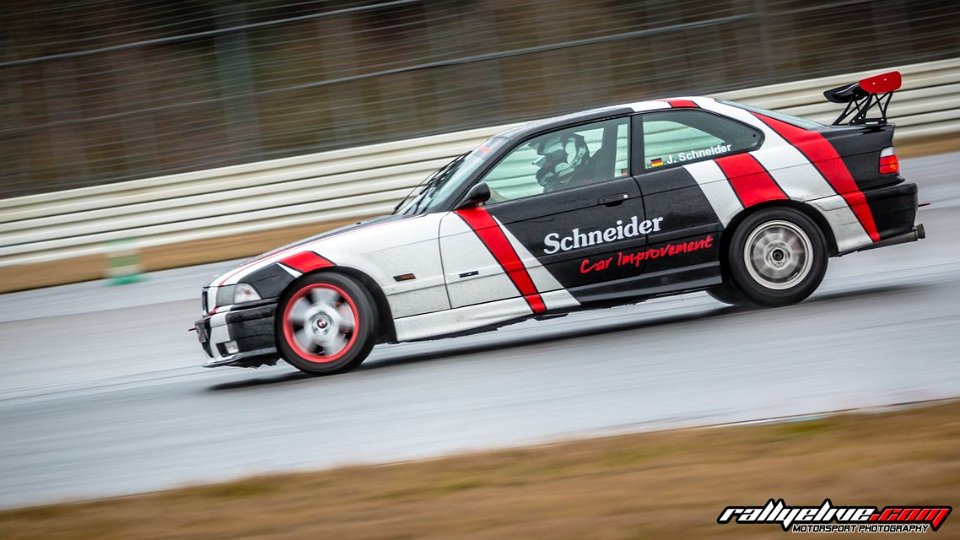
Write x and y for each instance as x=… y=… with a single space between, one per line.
x=489 y=232
x=751 y=182
x=825 y=158
x=248 y=266
x=306 y=261
x=682 y=103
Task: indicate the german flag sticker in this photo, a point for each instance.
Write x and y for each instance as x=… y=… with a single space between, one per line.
x=656 y=162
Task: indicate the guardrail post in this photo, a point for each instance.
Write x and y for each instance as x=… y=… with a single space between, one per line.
x=236 y=81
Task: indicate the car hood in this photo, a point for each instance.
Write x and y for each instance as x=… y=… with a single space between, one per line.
x=326 y=234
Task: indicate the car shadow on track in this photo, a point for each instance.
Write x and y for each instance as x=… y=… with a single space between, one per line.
x=497 y=341
x=556 y=334
x=651 y=320
x=262 y=381
x=549 y=335
x=865 y=291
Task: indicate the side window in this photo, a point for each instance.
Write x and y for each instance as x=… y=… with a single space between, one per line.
x=682 y=136
x=562 y=159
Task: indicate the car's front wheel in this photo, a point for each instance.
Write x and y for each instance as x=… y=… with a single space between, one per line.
x=777 y=257
x=325 y=324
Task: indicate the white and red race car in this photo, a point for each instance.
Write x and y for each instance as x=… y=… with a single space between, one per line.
x=598 y=208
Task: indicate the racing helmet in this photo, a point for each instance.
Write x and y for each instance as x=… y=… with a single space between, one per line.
x=561 y=156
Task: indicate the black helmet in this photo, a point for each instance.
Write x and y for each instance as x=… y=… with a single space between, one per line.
x=561 y=157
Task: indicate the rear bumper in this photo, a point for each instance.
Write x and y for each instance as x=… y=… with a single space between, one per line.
x=894 y=210
x=240 y=337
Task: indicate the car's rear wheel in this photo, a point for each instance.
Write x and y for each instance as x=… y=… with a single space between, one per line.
x=728 y=293
x=777 y=257
x=325 y=324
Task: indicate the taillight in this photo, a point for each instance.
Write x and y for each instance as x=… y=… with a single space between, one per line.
x=888 y=161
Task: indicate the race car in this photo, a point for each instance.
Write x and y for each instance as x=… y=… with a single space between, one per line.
x=593 y=209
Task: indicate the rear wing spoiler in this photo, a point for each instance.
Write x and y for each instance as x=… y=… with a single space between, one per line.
x=863 y=96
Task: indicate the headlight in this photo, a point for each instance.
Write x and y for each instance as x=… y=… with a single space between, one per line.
x=225 y=296
x=236 y=294
x=245 y=293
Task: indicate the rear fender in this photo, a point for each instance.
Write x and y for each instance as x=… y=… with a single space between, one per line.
x=808 y=210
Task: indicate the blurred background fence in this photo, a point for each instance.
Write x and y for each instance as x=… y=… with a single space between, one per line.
x=99 y=91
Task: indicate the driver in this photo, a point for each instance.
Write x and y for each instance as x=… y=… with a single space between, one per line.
x=563 y=161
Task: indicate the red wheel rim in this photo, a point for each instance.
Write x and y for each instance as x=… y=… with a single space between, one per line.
x=319 y=316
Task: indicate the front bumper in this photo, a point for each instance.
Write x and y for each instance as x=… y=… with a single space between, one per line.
x=242 y=336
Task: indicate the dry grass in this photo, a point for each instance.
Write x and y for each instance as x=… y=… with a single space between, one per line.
x=31 y=276
x=928 y=146
x=654 y=485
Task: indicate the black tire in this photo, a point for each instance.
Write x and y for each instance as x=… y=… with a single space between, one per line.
x=777 y=257
x=325 y=323
x=728 y=293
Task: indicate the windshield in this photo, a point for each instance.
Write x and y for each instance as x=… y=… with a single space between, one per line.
x=790 y=119
x=447 y=179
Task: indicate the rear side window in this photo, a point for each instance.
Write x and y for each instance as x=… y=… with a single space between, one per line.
x=788 y=118
x=675 y=137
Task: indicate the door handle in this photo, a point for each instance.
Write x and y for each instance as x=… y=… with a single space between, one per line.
x=614 y=200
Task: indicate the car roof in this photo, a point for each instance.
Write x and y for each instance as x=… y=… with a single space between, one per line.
x=524 y=130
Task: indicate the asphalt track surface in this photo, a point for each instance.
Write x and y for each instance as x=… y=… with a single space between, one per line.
x=103 y=393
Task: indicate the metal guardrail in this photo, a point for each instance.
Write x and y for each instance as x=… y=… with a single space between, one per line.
x=927 y=105
x=358 y=182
